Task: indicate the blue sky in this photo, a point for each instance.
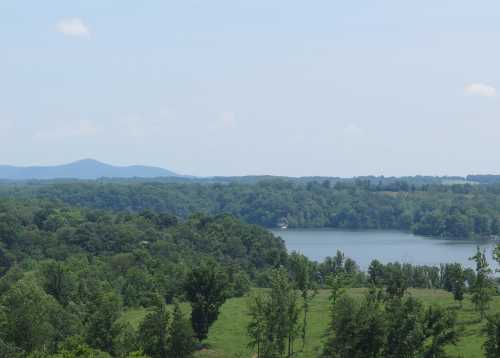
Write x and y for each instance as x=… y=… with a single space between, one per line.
x=339 y=88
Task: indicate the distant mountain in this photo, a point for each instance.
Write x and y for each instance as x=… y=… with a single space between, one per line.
x=82 y=169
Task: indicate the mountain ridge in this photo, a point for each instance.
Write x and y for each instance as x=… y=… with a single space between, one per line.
x=82 y=169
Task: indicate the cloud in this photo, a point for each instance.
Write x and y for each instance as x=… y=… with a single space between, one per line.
x=81 y=129
x=73 y=27
x=480 y=89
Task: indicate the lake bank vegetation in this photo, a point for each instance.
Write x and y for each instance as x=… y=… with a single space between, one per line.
x=449 y=211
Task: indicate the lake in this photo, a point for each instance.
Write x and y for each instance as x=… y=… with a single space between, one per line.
x=385 y=246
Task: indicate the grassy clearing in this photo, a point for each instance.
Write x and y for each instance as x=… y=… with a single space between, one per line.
x=228 y=336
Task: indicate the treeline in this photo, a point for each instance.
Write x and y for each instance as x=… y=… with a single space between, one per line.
x=459 y=211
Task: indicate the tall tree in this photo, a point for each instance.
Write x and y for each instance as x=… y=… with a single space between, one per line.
x=57 y=281
x=405 y=334
x=440 y=329
x=275 y=318
x=181 y=341
x=454 y=281
x=376 y=272
x=302 y=269
x=482 y=291
x=205 y=289
x=27 y=317
x=257 y=325
x=153 y=332
x=396 y=281
x=102 y=326
x=492 y=343
x=356 y=330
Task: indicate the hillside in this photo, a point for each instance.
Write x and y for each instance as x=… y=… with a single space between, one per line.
x=82 y=169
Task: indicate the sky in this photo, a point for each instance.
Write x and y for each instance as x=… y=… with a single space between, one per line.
x=280 y=87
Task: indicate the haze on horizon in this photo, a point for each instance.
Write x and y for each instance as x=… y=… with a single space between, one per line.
x=253 y=87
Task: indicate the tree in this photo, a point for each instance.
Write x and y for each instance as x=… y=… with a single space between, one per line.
x=257 y=325
x=376 y=273
x=181 y=341
x=440 y=329
x=27 y=317
x=9 y=350
x=102 y=327
x=81 y=351
x=342 y=330
x=57 y=281
x=125 y=341
x=153 y=332
x=454 y=281
x=138 y=287
x=482 y=291
x=395 y=280
x=405 y=333
x=205 y=289
x=274 y=324
x=356 y=330
x=492 y=343
x=301 y=270
x=337 y=284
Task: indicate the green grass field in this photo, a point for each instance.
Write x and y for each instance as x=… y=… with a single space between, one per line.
x=228 y=336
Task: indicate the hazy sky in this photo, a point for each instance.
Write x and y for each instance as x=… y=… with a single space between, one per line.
x=284 y=87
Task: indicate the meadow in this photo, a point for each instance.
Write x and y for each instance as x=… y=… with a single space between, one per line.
x=228 y=336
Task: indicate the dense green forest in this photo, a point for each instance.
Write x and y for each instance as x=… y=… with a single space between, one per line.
x=467 y=211
x=68 y=273
x=69 y=276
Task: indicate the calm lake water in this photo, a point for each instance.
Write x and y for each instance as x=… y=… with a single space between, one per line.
x=385 y=246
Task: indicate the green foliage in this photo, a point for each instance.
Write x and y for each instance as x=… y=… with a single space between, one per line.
x=483 y=289
x=492 y=331
x=440 y=325
x=376 y=203
x=58 y=281
x=28 y=316
x=164 y=334
x=80 y=351
x=275 y=319
x=400 y=327
x=376 y=273
x=405 y=335
x=138 y=287
x=153 y=332
x=102 y=322
x=356 y=329
x=206 y=290
x=181 y=342
x=69 y=271
x=302 y=271
x=453 y=277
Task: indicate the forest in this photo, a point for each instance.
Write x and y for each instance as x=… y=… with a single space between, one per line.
x=71 y=278
x=457 y=211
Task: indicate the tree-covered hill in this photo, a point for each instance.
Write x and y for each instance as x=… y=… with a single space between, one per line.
x=439 y=210
x=37 y=229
